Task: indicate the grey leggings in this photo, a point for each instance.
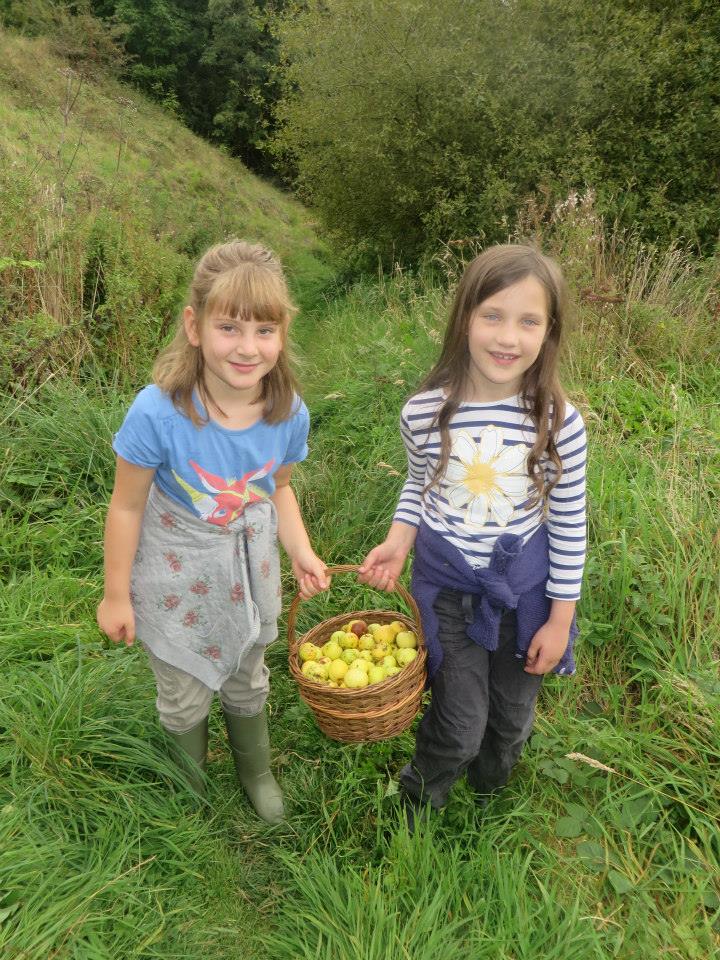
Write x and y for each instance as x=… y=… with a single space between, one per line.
x=480 y=715
x=183 y=700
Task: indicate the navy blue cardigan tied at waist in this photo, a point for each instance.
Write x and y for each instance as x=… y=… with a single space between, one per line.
x=514 y=580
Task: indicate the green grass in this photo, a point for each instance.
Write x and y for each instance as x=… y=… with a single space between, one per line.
x=104 y=854
x=107 y=203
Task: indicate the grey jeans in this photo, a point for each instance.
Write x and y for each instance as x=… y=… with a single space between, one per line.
x=183 y=700
x=480 y=715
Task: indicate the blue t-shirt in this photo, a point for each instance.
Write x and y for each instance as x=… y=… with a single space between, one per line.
x=211 y=471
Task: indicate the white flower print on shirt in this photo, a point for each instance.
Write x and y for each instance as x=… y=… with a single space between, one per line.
x=486 y=478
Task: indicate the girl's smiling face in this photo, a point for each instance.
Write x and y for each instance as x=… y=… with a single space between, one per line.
x=237 y=352
x=505 y=336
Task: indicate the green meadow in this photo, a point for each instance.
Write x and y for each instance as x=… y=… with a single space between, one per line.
x=605 y=844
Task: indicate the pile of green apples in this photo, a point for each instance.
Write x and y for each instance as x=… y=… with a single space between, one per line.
x=359 y=654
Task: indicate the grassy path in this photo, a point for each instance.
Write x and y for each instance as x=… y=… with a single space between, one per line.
x=102 y=854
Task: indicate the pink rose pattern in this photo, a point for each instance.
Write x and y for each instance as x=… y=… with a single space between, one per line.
x=184 y=604
x=191 y=618
x=173 y=561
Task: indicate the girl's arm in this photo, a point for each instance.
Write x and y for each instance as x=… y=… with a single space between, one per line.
x=122 y=531
x=382 y=567
x=309 y=570
x=566 y=524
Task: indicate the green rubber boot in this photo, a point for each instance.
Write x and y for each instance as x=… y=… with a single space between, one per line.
x=250 y=745
x=189 y=751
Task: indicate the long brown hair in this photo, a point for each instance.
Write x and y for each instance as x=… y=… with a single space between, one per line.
x=493 y=270
x=242 y=280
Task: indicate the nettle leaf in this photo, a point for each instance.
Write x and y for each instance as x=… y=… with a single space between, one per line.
x=593 y=828
x=593 y=855
x=566 y=764
x=543 y=741
x=620 y=883
x=558 y=774
x=641 y=663
x=577 y=811
x=592 y=709
x=711 y=900
x=635 y=812
x=580 y=775
x=568 y=827
x=554 y=769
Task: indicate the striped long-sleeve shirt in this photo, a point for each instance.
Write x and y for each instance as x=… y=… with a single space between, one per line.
x=486 y=490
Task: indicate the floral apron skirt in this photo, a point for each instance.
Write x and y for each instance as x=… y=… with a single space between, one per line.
x=203 y=594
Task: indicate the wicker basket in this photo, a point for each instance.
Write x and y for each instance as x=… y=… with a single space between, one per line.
x=377 y=712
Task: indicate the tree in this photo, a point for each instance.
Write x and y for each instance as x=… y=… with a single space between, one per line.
x=407 y=123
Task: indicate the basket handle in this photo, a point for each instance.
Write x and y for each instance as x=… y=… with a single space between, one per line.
x=346 y=568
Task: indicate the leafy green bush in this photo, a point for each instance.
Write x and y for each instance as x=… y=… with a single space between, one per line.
x=407 y=124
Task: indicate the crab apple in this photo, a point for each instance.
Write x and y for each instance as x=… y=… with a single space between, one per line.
x=308 y=651
x=337 y=670
x=406 y=639
x=356 y=679
x=332 y=650
x=385 y=634
x=405 y=656
x=376 y=674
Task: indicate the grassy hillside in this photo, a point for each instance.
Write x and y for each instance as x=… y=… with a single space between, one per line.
x=103 y=855
x=107 y=201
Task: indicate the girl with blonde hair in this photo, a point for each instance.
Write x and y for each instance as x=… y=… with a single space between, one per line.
x=202 y=493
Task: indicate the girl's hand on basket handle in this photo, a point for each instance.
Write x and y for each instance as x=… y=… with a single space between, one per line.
x=382 y=567
x=117 y=620
x=310 y=573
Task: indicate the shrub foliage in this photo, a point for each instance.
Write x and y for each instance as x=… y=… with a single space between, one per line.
x=407 y=123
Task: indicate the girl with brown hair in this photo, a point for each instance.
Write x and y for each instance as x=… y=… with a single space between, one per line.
x=202 y=493
x=494 y=507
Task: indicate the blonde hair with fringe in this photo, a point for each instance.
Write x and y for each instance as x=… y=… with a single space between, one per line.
x=243 y=280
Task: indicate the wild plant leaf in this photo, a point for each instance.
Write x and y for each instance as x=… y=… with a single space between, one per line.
x=556 y=773
x=620 y=883
x=593 y=828
x=635 y=812
x=5 y=912
x=568 y=827
x=711 y=900
x=392 y=788
x=592 y=709
x=593 y=855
